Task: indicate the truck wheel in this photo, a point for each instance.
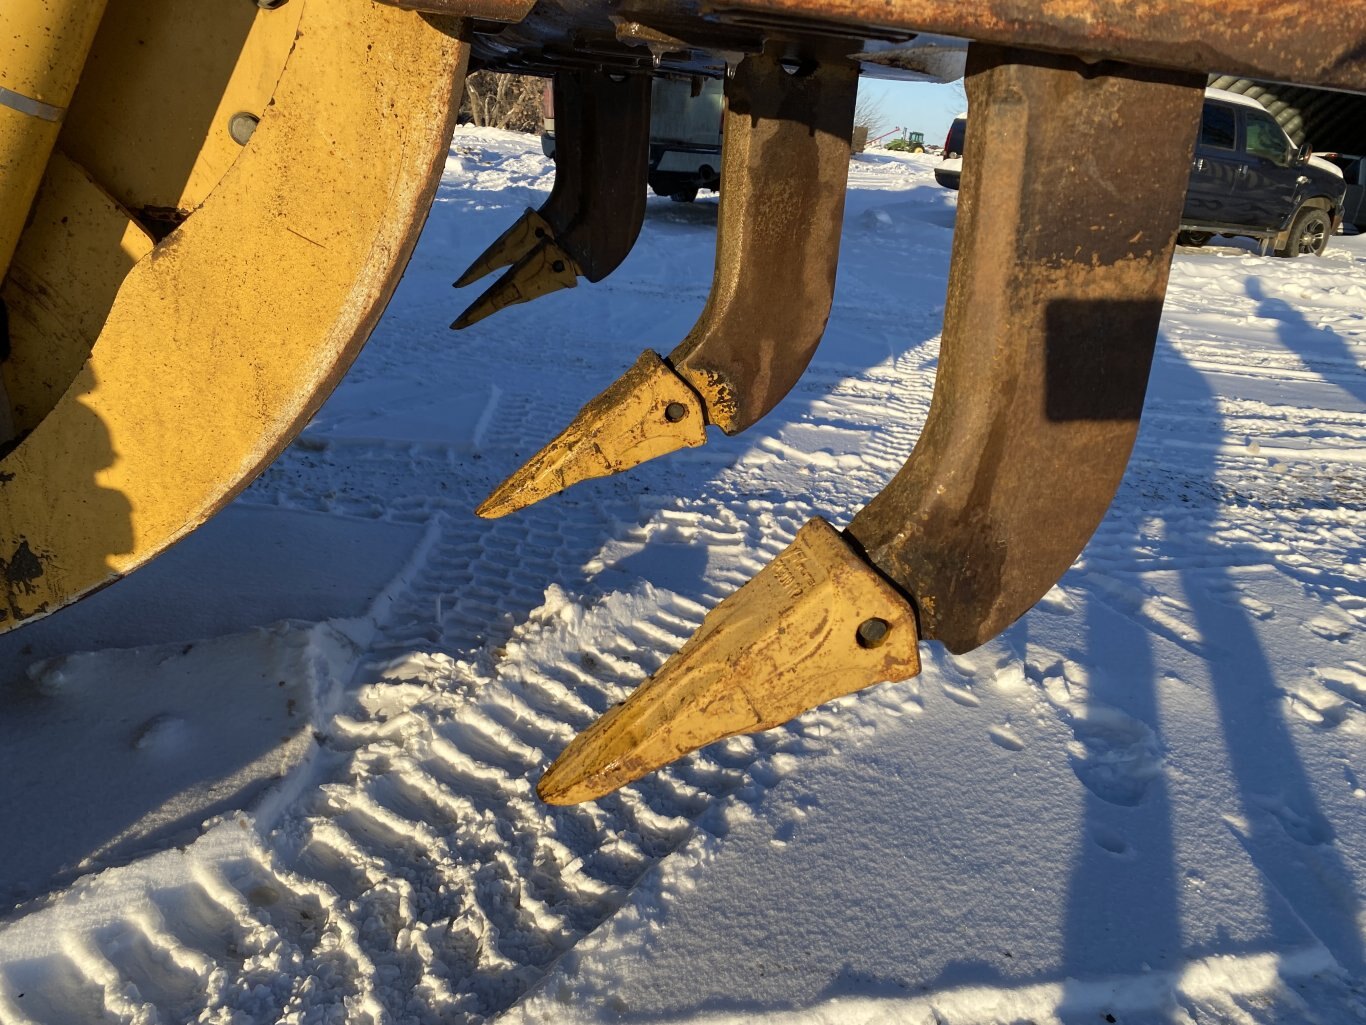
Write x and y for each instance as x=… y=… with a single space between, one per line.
x=1309 y=233
x=1193 y=238
x=684 y=195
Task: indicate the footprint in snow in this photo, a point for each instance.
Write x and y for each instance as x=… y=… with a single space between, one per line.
x=1346 y=681
x=161 y=734
x=1310 y=829
x=1344 y=684
x=1233 y=596
x=1109 y=840
x=1332 y=627
x=960 y=695
x=1057 y=602
x=784 y=834
x=1005 y=737
x=1114 y=755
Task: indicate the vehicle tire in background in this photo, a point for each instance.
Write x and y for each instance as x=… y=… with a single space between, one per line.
x=684 y=195
x=1193 y=238
x=1309 y=233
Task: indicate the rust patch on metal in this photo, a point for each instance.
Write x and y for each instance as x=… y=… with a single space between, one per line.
x=1284 y=40
x=1059 y=270
x=784 y=167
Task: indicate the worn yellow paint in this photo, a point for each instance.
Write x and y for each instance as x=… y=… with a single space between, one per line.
x=509 y=247
x=816 y=623
x=25 y=143
x=164 y=78
x=648 y=412
x=225 y=338
x=43 y=46
x=543 y=269
x=78 y=248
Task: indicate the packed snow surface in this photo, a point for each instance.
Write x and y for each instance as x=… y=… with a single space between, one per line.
x=286 y=774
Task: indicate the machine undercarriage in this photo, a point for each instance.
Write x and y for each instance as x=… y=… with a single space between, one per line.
x=194 y=250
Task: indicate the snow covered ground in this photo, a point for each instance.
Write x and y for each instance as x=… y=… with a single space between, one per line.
x=286 y=773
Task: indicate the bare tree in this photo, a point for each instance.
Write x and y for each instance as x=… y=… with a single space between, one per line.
x=869 y=113
x=960 y=89
x=497 y=100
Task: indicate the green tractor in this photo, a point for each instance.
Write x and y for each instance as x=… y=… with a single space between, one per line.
x=910 y=142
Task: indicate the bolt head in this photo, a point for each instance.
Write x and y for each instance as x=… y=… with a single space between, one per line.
x=873 y=632
x=241 y=126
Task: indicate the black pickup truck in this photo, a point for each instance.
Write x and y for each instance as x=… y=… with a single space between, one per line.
x=1247 y=179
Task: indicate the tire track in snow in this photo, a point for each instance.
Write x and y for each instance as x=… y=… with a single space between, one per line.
x=423 y=881
x=469 y=888
x=420 y=880
x=438 y=785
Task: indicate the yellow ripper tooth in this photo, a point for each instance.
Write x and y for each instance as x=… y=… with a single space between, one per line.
x=816 y=623
x=509 y=247
x=649 y=411
x=546 y=268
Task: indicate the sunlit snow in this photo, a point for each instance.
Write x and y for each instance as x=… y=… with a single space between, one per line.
x=287 y=773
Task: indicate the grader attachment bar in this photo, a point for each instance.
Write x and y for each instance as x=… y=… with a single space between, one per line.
x=784 y=165
x=592 y=217
x=1315 y=45
x=1055 y=291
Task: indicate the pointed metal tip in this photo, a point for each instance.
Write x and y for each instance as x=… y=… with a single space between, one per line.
x=648 y=412
x=573 y=779
x=543 y=270
x=816 y=623
x=620 y=747
x=470 y=316
x=497 y=505
x=519 y=239
x=550 y=791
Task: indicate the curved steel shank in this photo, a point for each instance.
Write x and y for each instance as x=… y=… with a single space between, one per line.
x=784 y=165
x=603 y=122
x=1054 y=298
x=592 y=217
x=1060 y=265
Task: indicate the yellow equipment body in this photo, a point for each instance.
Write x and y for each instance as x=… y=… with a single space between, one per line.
x=232 y=198
x=204 y=208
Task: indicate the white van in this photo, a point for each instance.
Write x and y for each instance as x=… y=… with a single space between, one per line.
x=685 y=135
